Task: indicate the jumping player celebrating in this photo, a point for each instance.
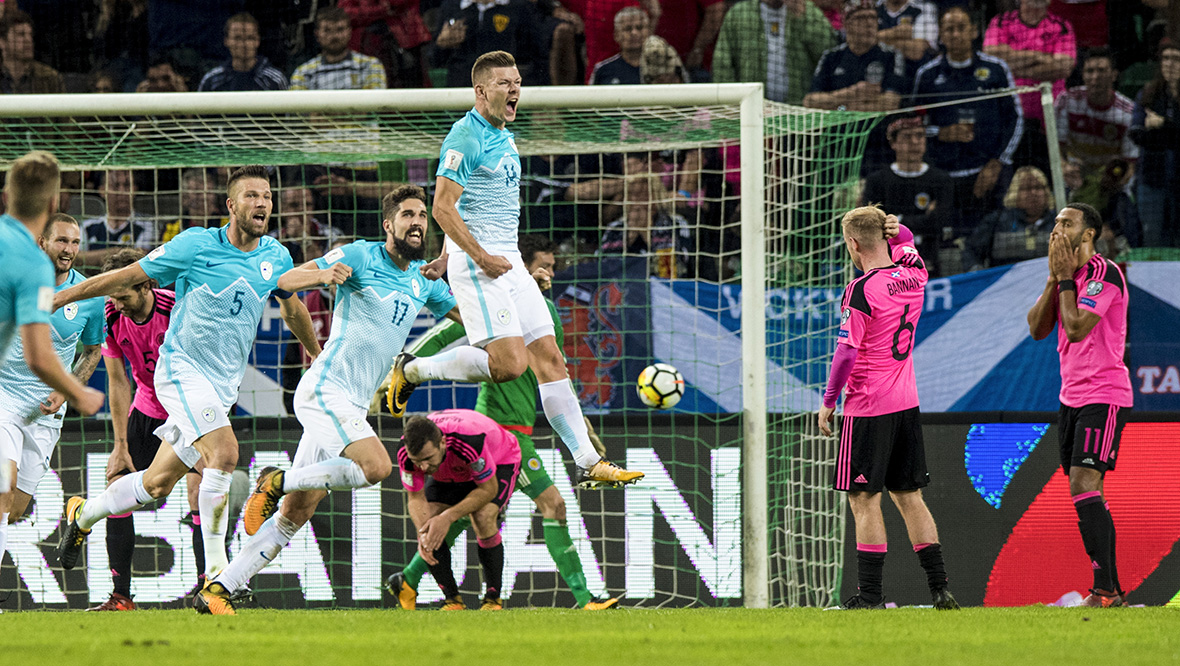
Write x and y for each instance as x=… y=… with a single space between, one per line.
x=1085 y=297
x=881 y=437
x=472 y=463
x=477 y=204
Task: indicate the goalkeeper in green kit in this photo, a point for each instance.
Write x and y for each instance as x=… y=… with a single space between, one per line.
x=514 y=406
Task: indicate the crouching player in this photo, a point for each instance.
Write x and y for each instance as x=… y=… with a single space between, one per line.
x=472 y=465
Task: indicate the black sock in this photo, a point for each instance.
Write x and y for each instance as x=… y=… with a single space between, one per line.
x=1096 y=527
x=930 y=556
x=199 y=547
x=1114 y=560
x=492 y=561
x=442 y=572
x=870 y=568
x=120 y=547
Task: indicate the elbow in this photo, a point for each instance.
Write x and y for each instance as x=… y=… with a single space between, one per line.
x=1075 y=336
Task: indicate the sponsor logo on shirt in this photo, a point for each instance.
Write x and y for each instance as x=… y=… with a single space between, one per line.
x=156 y=253
x=1088 y=301
x=45 y=299
x=267 y=269
x=1094 y=288
x=452 y=160
x=842 y=334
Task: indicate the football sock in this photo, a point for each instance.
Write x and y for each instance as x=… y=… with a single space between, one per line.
x=213 y=501
x=930 y=557
x=417 y=567
x=198 y=543
x=1114 y=560
x=442 y=572
x=120 y=547
x=491 y=559
x=3 y=535
x=565 y=416
x=334 y=474
x=1096 y=527
x=565 y=556
x=125 y=494
x=259 y=551
x=870 y=567
x=461 y=364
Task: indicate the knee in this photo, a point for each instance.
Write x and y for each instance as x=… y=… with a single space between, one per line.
x=158 y=486
x=506 y=369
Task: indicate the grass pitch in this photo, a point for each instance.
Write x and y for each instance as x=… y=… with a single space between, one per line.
x=1031 y=635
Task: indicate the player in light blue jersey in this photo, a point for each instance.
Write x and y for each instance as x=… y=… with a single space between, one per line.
x=31 y=412
x=26 y=301
x=477 y=204
x=379 y=295
x=223 y=278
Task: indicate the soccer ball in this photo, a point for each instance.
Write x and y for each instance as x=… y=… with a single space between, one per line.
x=660 y=386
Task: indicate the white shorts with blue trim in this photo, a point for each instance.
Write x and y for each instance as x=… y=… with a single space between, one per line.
x=194 y=410
x=330 y=420
x=30 y=445
x=509 y=306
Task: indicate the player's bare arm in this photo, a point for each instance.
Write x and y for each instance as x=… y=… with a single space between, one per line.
x=420 y=513
x=454 y=316
x=1063 y=263
x=311 y=275
x=446 y=198
x=431 y=535
x=119 y=391
x=42 y=359
x=826 y=415
x=101 y=285
x=83 y=368
x=298 y=319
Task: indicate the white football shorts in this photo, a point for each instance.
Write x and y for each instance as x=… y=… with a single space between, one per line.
x=330 y=421
x=30 y=445
x=509 y=306
x=194 y=410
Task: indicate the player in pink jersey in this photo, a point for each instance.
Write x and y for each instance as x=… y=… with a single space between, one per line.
x=1085 y=298
x=881 y=435
x=472 y=463
x=136 y=319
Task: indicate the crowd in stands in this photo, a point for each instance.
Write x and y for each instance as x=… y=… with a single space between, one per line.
x=973 y=179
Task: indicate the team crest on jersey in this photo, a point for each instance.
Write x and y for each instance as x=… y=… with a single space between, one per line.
x=156 y=253
x=267 y=269
x=981 y=73
x=845 y=315
x=504 y=316
x=534 y=464
x=875 y=72
x=208 y=414
x=479 y=465
x=70 y=311
x=1093 y=288
x=922 y=200
x=500 y=22
x=416 y=287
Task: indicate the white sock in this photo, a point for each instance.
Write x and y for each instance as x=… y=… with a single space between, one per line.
x=461 y=364
x=259 y=551
x=125 y=494
x=334 y=474
x=565 y=417
x=213 y=503
x=3 y=535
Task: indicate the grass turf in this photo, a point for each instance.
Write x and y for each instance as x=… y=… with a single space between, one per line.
x=1031 y=635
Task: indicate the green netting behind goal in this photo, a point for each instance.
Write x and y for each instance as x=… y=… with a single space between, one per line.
x=644 y=205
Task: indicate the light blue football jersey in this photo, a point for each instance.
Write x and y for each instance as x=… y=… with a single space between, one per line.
x=375 y=309
x=485 y=162
x=221 y=293
x=21 y=392
x=26 y=283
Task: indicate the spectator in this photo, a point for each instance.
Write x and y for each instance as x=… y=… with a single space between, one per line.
x=393 y=32
x=162 y=77
x=909 y=27
x=119 y=42
x=648 y=227
x=1018 y=231
x=201 y=203
x=777 y=43
x=471 y=28
x=102 y=81
x=1156 y=129
x=192 y=33
x=559 y=31
x=861 y=74
x=1093 y=121
x=599 y=19
x=70 y=23
x=691 y=27
x=305 y=237
x=337 y=67
x=973 y=141
x=246 y=70
x=1037 y=46
x=120 y=227
x=1088 y=18
x=921 y=196
x=20 y=73
x=632 y=28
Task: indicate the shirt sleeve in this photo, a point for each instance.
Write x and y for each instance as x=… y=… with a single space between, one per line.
x=110 y=346
x=456 y=158
x=352 y=255
x=1065 y=43
x=412 y=478
x=169 y=261
x=286 y=263
x=854 y=317
x=92 y=333
x=34 y=293
x=1098 y=296
x=994 y=35
x=441 y=299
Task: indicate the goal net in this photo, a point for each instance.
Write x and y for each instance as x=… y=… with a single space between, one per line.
x=690 y=229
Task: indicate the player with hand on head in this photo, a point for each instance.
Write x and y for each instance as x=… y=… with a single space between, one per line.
x=513 y=405
x=378 y=284
x=472 y=464
x=1085 y=298
x=223 y=278
x=137 y=319
x=477 y=205
x=881 y=435
x=31 y=412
